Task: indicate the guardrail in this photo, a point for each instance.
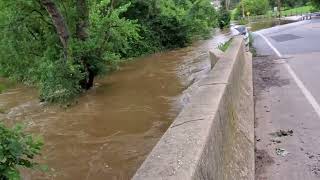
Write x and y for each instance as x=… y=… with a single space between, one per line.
x=303 y=16
x=213 y=136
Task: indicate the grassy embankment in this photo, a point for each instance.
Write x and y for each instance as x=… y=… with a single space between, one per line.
x=270 y=14
x=295 y=11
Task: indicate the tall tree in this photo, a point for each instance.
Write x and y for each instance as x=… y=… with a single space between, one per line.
x=63 y=45
x=316 y=3
x=59 y=23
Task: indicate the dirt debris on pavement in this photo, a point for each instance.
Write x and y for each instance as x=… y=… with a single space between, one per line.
x=276 y=141
x=262 y=160
x=265 y=76
x=282 y=133
x=316 y=170
x=315 y=166
x=281 y=152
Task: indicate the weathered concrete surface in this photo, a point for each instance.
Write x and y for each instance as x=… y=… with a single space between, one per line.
x=212 y=138
x=282 y=105
x=214 y=56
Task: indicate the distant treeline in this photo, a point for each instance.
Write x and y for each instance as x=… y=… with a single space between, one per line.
x=261 y=7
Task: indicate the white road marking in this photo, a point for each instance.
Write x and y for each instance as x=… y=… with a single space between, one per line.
x=300 y=84
x=269 y=43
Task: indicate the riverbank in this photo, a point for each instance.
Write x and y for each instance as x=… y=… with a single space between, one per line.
x=296 y=11
x=113 y=127
x=5 y=84
x=268 y=23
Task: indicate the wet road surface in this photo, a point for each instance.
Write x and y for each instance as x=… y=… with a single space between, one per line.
x=287 y=92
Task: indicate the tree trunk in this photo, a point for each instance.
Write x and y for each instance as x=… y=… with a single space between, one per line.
x=91 y=76
x=243 y=14
x=82 y=34
x=59 y=23
x=279 y=8
x=83 y=19
x=227 y=4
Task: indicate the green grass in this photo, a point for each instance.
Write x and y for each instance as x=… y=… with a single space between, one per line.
x=243 y=21
x=298 y=10
x=285 y=12
x=293 y=11
x=224 y=46
x=233 y=14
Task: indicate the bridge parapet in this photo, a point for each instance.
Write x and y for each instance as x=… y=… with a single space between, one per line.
x=213 y=136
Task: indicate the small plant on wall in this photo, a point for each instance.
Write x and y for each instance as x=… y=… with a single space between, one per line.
x=224 y=46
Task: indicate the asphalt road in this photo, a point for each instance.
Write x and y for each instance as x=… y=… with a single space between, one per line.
x=287 y=95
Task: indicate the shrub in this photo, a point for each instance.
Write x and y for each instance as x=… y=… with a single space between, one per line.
x=254 y=7
x=17 y=149
x=252 y=48
x=91 y=38
x=315 y=5
x=224 y=46
x=224 y=18
x=243 y=21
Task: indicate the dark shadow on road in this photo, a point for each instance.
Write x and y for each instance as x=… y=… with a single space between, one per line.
x=262 y=159
x=265 y=75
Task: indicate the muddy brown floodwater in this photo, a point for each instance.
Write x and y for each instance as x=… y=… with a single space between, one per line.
x=114 y=126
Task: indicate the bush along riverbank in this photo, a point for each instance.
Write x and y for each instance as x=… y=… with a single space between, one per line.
x=17 y=149
x=61 y=47
x=5 y=84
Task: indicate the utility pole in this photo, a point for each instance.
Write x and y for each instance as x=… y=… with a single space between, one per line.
x=242 y=4
x=279 y=8
x=227 y=4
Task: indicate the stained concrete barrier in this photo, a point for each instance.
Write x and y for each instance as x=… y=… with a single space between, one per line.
x=213 y=137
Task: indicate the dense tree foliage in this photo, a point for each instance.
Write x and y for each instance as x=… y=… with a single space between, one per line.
x=224 y=17
x=288 y=3
x=51 y=44
x=170 y=23
x=254 y=7
x=61 y=46
x=316 y=4
x=234 y=3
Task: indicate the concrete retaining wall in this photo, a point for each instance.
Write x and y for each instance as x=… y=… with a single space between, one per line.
x=213 y=136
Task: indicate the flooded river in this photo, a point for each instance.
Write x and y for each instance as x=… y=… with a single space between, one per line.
x=113 y=127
